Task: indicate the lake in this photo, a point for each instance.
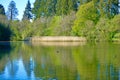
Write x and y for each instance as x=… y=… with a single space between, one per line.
x=59 y=61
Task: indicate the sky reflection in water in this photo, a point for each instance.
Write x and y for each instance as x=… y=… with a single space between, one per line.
x=59 y=62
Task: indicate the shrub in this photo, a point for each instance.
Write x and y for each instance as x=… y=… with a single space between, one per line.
x=20 y=30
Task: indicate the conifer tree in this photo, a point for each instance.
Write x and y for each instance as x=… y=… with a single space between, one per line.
x=12 y=12
x=27 y=13
x=37 y=8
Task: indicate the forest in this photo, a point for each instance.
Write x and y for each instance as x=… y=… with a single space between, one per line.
x=96 y=20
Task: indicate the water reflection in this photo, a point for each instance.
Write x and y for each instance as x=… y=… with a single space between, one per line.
x=109 y=73
x=4 y=48
x=57 y=43
x=58 y=62
x=15 y=70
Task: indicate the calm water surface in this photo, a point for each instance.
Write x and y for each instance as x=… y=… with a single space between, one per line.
x=59 y=61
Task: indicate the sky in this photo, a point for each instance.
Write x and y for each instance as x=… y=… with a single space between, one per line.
x=20 y=5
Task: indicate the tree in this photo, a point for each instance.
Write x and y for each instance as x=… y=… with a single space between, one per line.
x=27 y=13
x=51 y=7
x=2 y=10
x=36 y=9
x=64 y=7
x=86 y=15
x=107 y=8
x=114 y=7
x=44 y=8
x=84 y=1
x=12 y=12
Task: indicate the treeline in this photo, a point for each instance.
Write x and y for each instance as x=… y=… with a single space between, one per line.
x=96 y=20
x=54 y=7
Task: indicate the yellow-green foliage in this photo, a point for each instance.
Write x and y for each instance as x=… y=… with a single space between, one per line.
x=20 y=30
x=86 y=12
x=89 y=24
x=15 y=28
x=101 y=31
x=108 y=28
x=105 y=30
x=61 y=25
x=38 y=28
x=115 y=23
x=55 y=22
x=26 y=29
x=117 y=35
x=115 y=28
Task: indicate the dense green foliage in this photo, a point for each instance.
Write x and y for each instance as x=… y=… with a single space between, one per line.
x=54 y=7
x=96 y=20
x=20 y=30
x=5 y=32
x=95 y=23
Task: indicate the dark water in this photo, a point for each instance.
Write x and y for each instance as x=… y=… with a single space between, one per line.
x=59 y=61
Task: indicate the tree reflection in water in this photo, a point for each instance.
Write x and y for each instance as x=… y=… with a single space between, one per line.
x=78 y=62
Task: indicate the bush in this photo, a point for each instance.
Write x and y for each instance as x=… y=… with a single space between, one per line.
x=66 y=24
x=106 y=29
x=61 y=25
x=20 y=30
x=40 y=26
x=53 y=25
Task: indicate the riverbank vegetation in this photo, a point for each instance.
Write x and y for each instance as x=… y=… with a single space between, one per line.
x=97 y=20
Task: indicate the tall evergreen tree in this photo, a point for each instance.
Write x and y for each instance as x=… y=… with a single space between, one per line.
x=50 y=9
x=44 y=8
x=65 y=6
x=28 y=12
x=2 y=10
x=53 y=7
x=36 y=10
x=114 y=7
x=62 y=7
x=12 y=12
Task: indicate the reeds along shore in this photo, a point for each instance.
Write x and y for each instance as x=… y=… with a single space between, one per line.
x=57 y=38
